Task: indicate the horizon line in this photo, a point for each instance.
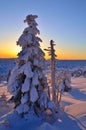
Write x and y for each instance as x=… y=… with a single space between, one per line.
x=45 y=58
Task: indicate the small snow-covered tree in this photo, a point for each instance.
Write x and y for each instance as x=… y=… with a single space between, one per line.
x=58 y=82
x=63 y=83
x=27 y=82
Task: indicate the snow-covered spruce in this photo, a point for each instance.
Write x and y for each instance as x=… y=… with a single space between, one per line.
x=27 y=82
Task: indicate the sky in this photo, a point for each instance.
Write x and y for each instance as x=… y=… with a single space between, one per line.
x=64 y=21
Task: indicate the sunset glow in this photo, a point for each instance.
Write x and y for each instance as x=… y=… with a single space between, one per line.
x=9 y=50
x=12 y=51
x=64 y=22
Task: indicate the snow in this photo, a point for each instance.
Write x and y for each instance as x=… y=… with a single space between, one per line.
x=36 y=62
x=76 y=101
x=34 y=109
x=24 y=40
x=22 y=108
x=12 y=84
x=26 y=68
x=43 y=100
x=24 y=98
x=26 y=85
x=72 y=118
x=33 y=94
x=46 y=126
x=35 y=79
x=24 y=82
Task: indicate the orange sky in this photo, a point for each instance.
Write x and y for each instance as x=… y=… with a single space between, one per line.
x=11 y=50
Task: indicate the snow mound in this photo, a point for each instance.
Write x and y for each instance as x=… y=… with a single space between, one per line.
x=12 y=121
x=47 y=126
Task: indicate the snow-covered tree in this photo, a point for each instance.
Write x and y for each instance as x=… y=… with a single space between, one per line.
x=63 y=83
x=27 y=82
x=59 y=82
x=51 y=52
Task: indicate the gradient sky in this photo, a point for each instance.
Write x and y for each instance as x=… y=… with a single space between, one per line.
x=64 y=21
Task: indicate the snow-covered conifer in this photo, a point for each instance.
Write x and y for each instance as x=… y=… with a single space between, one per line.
x=27 y=81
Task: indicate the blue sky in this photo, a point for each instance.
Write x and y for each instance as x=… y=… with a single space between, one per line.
x=64 y=21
